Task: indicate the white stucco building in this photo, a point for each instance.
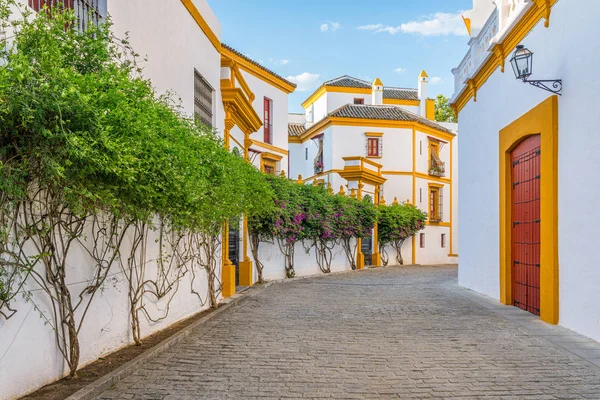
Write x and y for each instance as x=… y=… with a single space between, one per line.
x=244 y=101
x=382 y=141
x=528 y=192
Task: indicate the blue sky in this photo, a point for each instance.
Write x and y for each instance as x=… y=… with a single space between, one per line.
x=311 y=41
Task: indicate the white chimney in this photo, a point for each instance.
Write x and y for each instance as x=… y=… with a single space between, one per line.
x=377 y=91
x=423 y=93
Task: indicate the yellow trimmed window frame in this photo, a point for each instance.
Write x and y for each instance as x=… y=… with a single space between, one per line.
x=378 y=136
x=268 y=162
x=434 y=207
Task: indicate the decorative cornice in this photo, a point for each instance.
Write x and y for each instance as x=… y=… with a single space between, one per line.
x=540 y=9
x=241 y=109
x=269 y=146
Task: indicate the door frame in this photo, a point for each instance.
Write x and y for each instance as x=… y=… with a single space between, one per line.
x=542 y=120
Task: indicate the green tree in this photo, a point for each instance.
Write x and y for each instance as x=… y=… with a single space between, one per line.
x=398 y=222
x=443 y=111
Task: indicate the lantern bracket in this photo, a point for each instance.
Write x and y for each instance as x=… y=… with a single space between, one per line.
x=550 y=85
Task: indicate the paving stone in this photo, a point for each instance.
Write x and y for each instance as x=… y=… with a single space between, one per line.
x=387 y=333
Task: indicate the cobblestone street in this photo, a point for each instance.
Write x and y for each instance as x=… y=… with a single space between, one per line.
x=404 y=333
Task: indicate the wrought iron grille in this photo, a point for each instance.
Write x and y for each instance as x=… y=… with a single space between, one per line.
x=526 y=221
x=203 y=100
x=87 y=11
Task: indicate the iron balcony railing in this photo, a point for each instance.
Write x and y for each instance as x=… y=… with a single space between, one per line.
x=437 y=168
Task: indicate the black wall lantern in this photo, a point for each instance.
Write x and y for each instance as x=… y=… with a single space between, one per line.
x=522 y=64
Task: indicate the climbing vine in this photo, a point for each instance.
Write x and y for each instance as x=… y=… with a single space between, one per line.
x=398 y=222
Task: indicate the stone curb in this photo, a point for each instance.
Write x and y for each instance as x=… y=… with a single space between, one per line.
x=105 y=382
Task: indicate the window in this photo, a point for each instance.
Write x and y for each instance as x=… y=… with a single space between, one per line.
x=203 y=100
x=268 y=120
x=359 y=101
x=319 y=165
x=306 y=153
x=269 y=163
x=373 y=147
x=436 y=166
x=420 y=195
x=421 y=148
x=422 y=240
x=87 y=11
x=435 y=203
x=443 y=240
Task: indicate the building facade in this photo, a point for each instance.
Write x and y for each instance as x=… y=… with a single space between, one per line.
x=370 y=139
x=527 y=190
x=179 y=42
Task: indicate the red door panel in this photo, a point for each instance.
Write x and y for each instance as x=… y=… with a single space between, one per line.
x=526 y=224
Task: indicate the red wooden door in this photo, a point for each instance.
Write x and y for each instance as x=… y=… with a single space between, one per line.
x=267 y=120
x=526 y=224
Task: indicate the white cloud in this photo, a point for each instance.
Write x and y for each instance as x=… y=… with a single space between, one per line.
x=284 y=62
x=400 y=70
x=330 y=26
x=436 y=80
x=305 y=81
x=372 y=27
x=438 y=24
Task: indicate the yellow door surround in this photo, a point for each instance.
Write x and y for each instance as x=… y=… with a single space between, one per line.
x=542 y=120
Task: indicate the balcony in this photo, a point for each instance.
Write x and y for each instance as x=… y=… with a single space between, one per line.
x=437 y=168
x=319 y=167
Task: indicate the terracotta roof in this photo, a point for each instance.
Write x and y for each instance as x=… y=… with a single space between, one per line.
x=400 y=93
x=384 y=112
x=295 y=129
x=394 y=93
x=257 y=64
x=348 y=81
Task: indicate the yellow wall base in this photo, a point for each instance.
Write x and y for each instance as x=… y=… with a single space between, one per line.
x=376 y=259
x=246 y=273
x=228 y=280
x=360 y=261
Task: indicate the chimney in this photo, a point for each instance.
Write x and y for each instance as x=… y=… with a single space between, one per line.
x=377 y=90
x=423 y=93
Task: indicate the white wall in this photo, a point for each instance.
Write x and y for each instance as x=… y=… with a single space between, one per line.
x=561 y=51
x=27 y=343
x=175 y=45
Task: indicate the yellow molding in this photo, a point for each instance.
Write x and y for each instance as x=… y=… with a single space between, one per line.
x=451 y=199
x=396 y=173
x=189 y=5
x=374 y=134
x=294 y=139
x=243 y=114
x=270 y=156
x=331 y=171
x=269 y=146
x=258 y=72
x=371 y=123
x=540 y=9
x=542 y=120
x=333 y=89
x=452 y=255
x=435 y=185
x=442 y=224
x=432 y=178
x=398 y=102
x=467 y=22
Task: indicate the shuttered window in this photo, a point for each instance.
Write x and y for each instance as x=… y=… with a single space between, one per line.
x=203 y=100
x=268 y=120
x=373 y=147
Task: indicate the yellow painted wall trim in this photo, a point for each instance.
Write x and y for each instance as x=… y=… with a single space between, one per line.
x=430 y=109
x=452 y=255
x=432 y=178
x=540 y=9
x=399 y=102
x=542 y=120
x=258 y=72
x=189 y=5
x=374 y=134
x=269 y=147
x=243 y=113
x=467 y=22
x=326 y=122
x=442 y=224
x=333 y=89
x=270 y=156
